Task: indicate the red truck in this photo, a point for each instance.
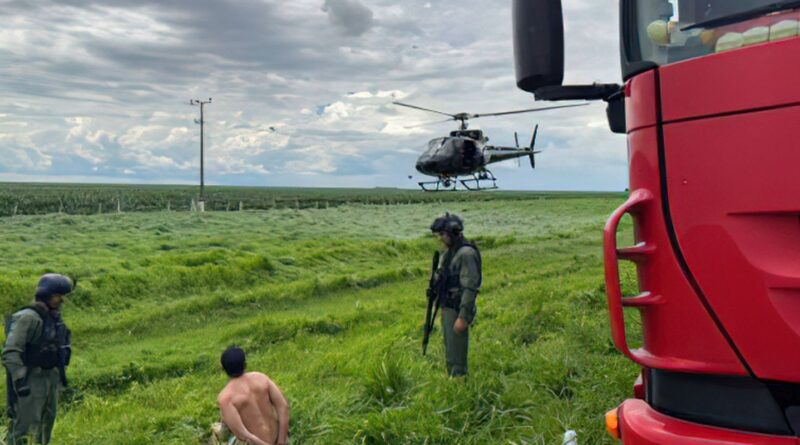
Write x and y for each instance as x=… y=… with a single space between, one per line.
x=711 y=108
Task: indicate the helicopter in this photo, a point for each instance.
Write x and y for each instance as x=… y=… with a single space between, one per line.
x=462 y=156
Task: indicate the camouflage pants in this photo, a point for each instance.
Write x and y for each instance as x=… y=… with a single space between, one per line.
x=35 y=415
x=456 y=345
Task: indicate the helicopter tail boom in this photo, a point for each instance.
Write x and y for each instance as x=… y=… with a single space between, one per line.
x=498 y=153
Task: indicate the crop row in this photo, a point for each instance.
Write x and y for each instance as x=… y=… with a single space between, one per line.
x=86 y=199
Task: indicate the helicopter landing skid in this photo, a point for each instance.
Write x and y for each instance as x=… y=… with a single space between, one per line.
x=442 y=185
x=474 y=184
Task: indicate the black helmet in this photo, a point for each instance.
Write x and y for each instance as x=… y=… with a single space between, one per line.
x=53 y=284
x=449 y=223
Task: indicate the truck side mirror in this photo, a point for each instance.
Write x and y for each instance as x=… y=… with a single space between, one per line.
x=538 y=43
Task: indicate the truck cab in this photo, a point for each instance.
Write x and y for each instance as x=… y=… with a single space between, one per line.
x=710 y=103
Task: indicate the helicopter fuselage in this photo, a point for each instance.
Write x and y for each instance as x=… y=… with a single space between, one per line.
x=452 y=156
x=464 y=152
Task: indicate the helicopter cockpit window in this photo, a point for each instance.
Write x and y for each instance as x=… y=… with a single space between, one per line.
x=434 y=146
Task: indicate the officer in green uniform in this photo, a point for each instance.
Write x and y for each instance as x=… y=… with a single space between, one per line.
x=35 y=356
x=458 y=283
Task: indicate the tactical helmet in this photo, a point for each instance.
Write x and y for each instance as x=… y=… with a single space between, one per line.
x=53 y=284
x=449 y=223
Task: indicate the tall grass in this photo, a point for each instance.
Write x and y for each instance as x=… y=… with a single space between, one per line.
x=329 y=303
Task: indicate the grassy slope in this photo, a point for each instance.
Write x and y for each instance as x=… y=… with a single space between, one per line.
x=329 y=303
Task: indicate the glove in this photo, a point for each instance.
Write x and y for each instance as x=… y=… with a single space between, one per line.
x=21 y=385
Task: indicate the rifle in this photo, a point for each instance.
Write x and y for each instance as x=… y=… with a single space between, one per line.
x=64 y=336
x=433 y=306
x=11 y=396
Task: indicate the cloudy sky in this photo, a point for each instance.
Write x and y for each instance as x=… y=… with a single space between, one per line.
x=98 y=91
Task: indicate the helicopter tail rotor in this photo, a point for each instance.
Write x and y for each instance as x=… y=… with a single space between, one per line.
x=532 y=155
x=533 y=138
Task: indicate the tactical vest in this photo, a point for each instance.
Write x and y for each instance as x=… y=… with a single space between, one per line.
x=448 y=281
x=52 y=348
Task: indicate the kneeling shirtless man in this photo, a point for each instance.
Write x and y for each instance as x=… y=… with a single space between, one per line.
x=252 y=405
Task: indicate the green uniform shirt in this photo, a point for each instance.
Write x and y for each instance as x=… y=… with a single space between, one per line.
x=26 y=327
x=466 y=265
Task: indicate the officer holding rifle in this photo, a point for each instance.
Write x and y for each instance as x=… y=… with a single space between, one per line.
x=454 y=286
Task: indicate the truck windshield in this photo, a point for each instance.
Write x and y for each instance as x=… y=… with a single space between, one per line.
x=666 y=31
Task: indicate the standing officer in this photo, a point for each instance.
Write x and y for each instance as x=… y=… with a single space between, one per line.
x=35 y=356
x=458 y=282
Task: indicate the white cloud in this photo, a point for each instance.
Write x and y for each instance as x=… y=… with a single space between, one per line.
x=400 y=128
x=20 y=151
x=122 y=73
x=349 y=16
x=361 y=95
x=317 y=162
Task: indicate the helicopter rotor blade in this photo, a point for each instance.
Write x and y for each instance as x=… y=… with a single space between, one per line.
x=516 y=139
x=424 y=109
x=529 y=110
x=533 y=138
x=424 y=124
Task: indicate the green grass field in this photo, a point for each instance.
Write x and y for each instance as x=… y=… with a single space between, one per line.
x=329 y=302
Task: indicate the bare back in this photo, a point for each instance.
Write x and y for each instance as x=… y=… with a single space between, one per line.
x=250 y=396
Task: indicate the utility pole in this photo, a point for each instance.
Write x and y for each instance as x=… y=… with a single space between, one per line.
x=201 y=202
